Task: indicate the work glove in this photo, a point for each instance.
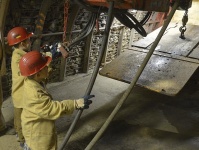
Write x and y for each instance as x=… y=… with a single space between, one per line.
x=83 y=103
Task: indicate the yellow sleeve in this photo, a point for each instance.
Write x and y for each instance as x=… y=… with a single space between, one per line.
x=46 y=108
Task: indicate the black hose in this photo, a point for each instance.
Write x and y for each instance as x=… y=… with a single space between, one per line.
x=134 y=80
x=86 y=31
x=94 y=75
x=146 y=18
x=121 y=14
x=124 y=19
x=138 y=27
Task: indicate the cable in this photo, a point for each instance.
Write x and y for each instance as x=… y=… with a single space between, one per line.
x=86 y=31
x=95 y=72
x=134 y=80
x=146 y=18
x=137 y=25
x=131 y=23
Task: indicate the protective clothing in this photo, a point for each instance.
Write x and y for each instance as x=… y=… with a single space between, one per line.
x=39 y=115
x=17 y=124
x=17 y=91
x=17 y=79
x=32 y=63
x=17 y=35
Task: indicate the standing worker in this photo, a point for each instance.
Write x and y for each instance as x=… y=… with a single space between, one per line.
x=19 y=38
x=39 y=109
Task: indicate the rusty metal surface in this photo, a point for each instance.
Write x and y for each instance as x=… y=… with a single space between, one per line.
x=162 y=74
x=170 y=42
x=149 y=5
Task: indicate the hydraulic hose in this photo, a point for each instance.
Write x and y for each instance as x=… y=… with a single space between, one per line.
x=137 y=25
x=146 y=18
x=121 y=14
x=86 y=31
x=131 y=23
x=95 y=72
x=134 y=80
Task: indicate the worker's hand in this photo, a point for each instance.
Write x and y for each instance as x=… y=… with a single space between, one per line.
x=84 y=102
x=64 y=53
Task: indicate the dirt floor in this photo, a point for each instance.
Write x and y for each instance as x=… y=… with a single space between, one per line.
x=147 y=120
x=73 y=87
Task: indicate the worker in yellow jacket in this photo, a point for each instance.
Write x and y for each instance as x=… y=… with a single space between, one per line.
x=39 y=109
x=19 y=38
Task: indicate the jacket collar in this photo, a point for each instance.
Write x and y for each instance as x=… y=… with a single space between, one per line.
x=19 y=51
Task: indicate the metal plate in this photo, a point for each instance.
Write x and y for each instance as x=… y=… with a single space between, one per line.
x=195 y=53
x=162 y=74
x=149 y=5
x=146 y=41
x=170 y=42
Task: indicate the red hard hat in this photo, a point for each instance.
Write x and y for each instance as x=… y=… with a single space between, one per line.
x=17 y=34
x=32 y=62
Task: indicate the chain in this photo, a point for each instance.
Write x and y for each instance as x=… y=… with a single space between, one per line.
x=66 y=8
x=184 y=22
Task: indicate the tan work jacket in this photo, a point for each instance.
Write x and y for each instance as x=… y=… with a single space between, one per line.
x=39 y=114
x=17 y=79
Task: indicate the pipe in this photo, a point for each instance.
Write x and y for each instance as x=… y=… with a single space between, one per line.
x=59 y=33
x=95 y=72
x=134 y=80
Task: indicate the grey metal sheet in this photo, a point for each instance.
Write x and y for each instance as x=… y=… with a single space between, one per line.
x=170 y=42
x=146 y=41
x=162 y=74
x=150 y=38
x=195 y=53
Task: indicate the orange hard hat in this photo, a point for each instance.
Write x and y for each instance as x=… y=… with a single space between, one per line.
x=17 y=35
x=32 y=62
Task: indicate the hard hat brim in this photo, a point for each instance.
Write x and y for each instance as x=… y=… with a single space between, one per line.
x=16 y=42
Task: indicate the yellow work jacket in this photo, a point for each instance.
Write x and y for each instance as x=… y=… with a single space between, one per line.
x=39 y=115
x=17 y=79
